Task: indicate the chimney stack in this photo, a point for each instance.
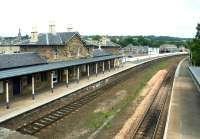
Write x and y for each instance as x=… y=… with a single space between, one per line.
x=99 y=45
x=52 y=27
x=70 y=28
x=104 y=40
x=34 y=34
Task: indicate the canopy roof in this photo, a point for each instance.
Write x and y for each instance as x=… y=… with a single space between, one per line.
x=5 y=74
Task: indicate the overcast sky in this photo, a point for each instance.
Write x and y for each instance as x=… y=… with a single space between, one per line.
x=105 y=17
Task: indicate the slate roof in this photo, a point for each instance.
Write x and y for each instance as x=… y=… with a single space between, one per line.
x=130 y=45
x=110 y=44
x=50 y=66
x=100 y=52
x=59 y=38
x=8 y=61
x=94 y=44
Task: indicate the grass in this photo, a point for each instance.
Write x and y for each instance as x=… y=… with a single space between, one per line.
x=95 y=120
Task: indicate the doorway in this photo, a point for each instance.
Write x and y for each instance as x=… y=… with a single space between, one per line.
x=16 y=86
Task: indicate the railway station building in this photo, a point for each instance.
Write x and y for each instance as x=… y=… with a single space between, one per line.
x=55 y=46
x=28 y=73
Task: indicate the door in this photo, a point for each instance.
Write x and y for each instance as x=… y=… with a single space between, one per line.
x=16 y=86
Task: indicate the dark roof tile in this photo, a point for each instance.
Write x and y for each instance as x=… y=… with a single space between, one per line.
x=59 y=38
x=8 y=61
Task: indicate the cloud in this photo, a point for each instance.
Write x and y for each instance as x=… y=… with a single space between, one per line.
x=112 y=17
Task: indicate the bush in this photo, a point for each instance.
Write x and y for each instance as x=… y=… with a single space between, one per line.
x=195 y=48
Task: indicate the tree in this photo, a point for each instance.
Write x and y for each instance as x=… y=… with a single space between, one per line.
x=195 y=48
x=96 y=38
x=198 y=31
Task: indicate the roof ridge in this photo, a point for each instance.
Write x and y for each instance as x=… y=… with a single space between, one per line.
x=60 y=39
x=47 y=39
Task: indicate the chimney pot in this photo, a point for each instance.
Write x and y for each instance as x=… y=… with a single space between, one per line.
x=34 y=34
x=52 y=27
x=69 y=28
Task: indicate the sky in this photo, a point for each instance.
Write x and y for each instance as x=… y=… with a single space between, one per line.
x=104 y=17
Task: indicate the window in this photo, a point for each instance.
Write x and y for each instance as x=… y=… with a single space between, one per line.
x=55 y=53
x=1 y=87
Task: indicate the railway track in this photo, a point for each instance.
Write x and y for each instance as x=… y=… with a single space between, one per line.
x=46 y=120
x=39 y=124
x=153 y=123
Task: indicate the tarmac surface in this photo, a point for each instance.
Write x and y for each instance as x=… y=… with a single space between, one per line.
x=9 y=134
x=184 y=112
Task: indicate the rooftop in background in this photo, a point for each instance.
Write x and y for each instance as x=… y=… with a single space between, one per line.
x=168 y=46
x=6 y=41
x=104 y=43
x=100 y=53
x=131 y=46
x=58 y=38
x=9 y=61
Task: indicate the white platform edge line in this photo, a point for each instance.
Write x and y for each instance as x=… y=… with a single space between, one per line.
x=170 y=104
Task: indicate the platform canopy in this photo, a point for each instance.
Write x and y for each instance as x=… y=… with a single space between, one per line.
x=5 y=74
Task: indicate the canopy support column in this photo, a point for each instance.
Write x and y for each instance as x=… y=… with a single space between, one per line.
x=109 y=65
x=103 y=67
x=33 y=87
x=96 y=68
x=88 y=71
x=52 y=82
x=7 y=95
x=78 y=78
x=114 y=63
x=67 y=77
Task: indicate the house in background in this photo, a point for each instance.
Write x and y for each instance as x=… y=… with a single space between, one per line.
x=11 y=44
x=105 y=44
x=168 y=48
x=55 y=46
x=5 y=49
x=131 y=50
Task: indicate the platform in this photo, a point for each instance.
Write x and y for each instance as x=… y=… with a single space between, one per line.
x=184 y=112
x=10 y=134
x=195 y=73
x=22 y=105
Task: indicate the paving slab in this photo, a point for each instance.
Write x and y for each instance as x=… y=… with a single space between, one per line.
x=10 y=134
x=184 y=112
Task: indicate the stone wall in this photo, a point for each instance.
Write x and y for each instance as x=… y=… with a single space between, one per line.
x=44 y=51
x=9 y=49
x=43 y=80
x=114 y=50
x=73 y=49
x=59 y=53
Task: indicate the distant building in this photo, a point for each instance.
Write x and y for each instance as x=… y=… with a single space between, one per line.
x=6 y=49
x=9 y=41
x=183 y=49
x=105 y=44
x=100 y=53
x=55 y=46
x=168 y=48
x=153 y=51
x=135 y=50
